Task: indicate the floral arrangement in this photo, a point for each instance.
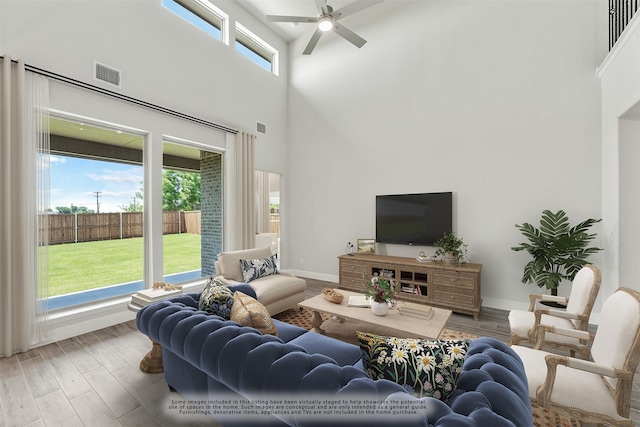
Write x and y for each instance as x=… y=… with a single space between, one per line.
x=380 y=289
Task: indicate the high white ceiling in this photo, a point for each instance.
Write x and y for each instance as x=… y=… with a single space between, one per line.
x=290 y=31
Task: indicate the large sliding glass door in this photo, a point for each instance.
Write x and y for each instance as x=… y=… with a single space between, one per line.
x=268 y=210
x=181 y=216
x=95 y=221
x=104 y=235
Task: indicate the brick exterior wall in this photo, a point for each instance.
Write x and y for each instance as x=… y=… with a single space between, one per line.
x=211 y=209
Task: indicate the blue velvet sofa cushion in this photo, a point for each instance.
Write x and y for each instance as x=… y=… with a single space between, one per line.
x=206 y=355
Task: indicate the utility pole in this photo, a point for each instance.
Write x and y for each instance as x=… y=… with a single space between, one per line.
x=97 y=193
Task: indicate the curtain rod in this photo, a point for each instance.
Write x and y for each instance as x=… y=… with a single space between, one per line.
x=122 y=97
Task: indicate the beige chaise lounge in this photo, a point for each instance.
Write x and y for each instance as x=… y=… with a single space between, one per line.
x=276 y=292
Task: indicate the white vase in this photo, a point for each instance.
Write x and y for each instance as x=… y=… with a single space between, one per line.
x=379 y=308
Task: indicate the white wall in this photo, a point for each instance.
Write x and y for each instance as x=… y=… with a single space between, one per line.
x=166 y=61
x=620 y=158
x=163 y=59
x=497 y=101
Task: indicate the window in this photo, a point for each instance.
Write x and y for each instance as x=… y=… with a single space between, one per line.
x=95 y=226
x=203 y=15
x=256 y=49
x=214 y=22
x=181 y=217
x=96 y=242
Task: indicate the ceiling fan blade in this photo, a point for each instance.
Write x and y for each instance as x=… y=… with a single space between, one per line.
x=313 y=42
x=280 y=18
x=348 y=35
x=354 y=7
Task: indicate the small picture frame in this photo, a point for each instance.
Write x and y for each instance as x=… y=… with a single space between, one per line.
x=366 y=246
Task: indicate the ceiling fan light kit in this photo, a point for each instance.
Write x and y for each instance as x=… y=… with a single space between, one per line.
x=325 y=23
x=327 y=20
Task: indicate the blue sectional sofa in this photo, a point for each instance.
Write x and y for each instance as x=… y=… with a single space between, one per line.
x=241 y=377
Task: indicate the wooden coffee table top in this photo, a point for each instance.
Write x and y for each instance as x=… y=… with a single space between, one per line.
x=411 y=326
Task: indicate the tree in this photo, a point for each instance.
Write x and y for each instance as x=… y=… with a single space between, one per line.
x=136 y=205
x=180 y=191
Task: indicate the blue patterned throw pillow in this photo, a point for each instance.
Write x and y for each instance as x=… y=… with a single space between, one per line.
x=428 y=367
x=255 y=268
x=216 y=298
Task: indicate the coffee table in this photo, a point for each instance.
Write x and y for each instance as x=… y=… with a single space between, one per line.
x=407 y=325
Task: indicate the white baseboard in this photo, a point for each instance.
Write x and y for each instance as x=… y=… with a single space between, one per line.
x=502 y=304
x=317 y=276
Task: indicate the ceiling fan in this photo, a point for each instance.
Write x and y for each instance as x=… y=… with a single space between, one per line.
x=327 y=21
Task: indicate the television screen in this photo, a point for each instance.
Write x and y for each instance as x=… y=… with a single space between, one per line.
x=413 y=219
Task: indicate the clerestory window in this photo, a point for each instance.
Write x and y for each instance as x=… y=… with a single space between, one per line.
x=204 y=15
x=256 y=49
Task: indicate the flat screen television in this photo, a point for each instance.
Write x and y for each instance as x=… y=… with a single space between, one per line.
x=413 y=219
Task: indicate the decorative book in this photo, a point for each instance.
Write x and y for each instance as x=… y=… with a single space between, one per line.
x=147 y=296
x=359 y=301
x=416 y=310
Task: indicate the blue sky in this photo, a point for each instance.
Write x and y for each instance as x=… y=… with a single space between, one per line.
x=74 y=181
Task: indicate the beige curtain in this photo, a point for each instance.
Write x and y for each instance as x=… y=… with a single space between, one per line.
x=20 y=105
x=262 y=202
x=245 y=195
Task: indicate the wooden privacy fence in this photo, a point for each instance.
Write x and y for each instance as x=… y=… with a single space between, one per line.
x=70 y=228
x=274 y=223
x=192 y=222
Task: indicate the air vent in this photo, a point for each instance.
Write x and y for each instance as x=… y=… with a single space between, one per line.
x=261 y=128
x=106 y=74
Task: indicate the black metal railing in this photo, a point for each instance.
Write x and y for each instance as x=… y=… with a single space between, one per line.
x=620 y=13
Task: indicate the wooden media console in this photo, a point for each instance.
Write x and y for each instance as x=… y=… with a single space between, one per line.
x=456 y=287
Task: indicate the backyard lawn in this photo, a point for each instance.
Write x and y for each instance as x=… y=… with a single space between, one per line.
x=75 y=267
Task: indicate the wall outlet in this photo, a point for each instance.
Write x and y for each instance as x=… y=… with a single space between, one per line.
x=301 y=260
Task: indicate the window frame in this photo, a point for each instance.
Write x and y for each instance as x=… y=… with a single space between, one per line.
x=209 y=13
x=258 y=46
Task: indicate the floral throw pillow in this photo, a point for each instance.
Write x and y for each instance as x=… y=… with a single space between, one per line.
x=427 y=367
x=216 y=298
x=248 y=311
x=255 y=268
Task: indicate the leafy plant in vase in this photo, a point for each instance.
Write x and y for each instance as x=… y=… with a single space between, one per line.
x=558 y=250
x=451 y=248
x=380 y=290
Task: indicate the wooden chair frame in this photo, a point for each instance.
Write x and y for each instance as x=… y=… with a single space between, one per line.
x=622 y=391
x=581 y=318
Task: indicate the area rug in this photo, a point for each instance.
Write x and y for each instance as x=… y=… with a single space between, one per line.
x=346 y=332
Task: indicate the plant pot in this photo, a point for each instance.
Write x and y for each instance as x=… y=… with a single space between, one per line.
x=379 y=308
x=450 y=258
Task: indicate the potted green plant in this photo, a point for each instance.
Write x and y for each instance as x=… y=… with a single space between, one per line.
x=451 y=248
x=559 y=251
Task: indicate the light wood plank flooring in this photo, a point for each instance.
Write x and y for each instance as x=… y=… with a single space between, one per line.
x=94 y=379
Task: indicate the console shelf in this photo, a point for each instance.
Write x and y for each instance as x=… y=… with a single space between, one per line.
x=456 y=287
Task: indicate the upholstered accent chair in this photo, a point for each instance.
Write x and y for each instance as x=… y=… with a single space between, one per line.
x=277 y=292
x=597 y=391
x=584 y=290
